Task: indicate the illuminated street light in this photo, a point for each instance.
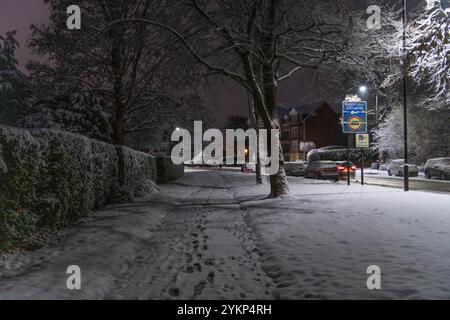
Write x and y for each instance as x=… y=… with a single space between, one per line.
x=363 y=90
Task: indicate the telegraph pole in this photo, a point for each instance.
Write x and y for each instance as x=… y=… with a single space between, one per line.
x=405 y=109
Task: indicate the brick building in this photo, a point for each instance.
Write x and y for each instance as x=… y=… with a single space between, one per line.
x=318 y=123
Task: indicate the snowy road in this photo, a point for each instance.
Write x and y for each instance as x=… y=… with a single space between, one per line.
x=212 y=235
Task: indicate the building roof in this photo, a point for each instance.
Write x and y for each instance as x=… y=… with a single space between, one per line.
x=305 y=110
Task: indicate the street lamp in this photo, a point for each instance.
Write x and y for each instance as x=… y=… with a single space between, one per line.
x=363 y=89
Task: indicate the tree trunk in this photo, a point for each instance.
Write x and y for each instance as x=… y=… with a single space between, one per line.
x=255 y=125
x=269 y=69
x=278 y=183
x=116 y=64
x=119 y=137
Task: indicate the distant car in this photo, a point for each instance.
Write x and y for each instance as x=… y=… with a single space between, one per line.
x=294 y=168
x=322 y=170
x=439 y=167
x=375 y=166
x=343 y=166
x=211 y=163
x=332 y=148
x=189 y=163
x=248 y=168
x=397 y=168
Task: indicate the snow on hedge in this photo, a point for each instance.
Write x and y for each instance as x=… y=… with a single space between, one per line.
x=51 y=178
x=167 y=170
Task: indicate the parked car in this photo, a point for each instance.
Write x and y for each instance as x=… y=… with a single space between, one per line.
x=439 y=167
x=343 y=167
x=332 y=148
x=397 y=168
x=249 y=167
x=294 y=168
x=322 y=170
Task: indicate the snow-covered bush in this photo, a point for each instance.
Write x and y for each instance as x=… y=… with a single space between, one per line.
x=137 y=174
x=50 y=178
x=167 y=170
x=428 y=134
x=73 y=179
x=313 y=155
x=341 y=155
x=78 y=112
x=20 y=156
x=307 y=146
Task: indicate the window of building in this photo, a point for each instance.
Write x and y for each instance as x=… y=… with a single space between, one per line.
x=294 y=132
x=285 y=135
x=294 y=145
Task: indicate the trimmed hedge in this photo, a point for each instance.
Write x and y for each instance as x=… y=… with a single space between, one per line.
x=167 y=170
x=355 y=155
x=49 y=179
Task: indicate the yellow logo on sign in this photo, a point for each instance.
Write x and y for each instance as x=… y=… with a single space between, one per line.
x=355 y=123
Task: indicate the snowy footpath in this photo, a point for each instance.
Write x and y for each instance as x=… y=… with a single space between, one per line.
x=214 y=235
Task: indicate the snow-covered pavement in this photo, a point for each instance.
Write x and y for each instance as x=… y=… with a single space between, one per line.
x=213 y=235
x=381 y=178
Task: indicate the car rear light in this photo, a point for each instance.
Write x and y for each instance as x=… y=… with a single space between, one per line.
x=341 y=168
x=353 y=167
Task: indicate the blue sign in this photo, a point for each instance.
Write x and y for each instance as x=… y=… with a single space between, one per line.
x=354 y=116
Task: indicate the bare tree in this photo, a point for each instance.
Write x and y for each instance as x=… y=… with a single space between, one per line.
x=259 y=43
x=133 y=67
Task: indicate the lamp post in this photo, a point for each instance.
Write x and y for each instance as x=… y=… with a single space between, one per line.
x=363 y=90
x=405 y=109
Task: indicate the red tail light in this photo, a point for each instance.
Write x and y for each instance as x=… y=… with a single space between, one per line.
x=341 y=168
x=353 y=167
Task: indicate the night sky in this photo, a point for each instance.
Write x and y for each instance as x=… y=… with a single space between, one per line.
x=229 y=99
x=19 y=15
